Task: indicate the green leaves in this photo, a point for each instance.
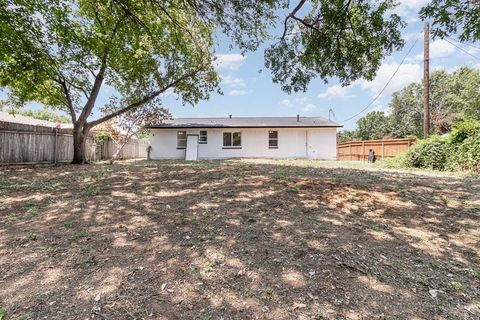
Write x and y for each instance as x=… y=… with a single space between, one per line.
x=453 y=17
x=373 y=126
x=52 y=51
x=343 y=39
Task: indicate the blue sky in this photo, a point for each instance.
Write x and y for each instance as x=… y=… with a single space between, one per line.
x=250 y=93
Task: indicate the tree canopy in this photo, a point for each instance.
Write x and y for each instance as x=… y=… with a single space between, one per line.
x=343 y=39
x=451 y=17
x=46 y=115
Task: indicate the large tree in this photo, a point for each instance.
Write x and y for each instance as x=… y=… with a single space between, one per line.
x=63 y=53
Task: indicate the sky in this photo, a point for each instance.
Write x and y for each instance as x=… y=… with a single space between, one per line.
x=249 y=93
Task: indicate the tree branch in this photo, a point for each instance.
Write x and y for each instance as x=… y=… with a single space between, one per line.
x=87 y=109
x=292 y=15
x=143 y=100
x=66 y=91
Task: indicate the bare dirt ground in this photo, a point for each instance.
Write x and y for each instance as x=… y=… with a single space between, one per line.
x=237 y=240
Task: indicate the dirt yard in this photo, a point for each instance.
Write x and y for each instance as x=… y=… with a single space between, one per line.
x=237 y=240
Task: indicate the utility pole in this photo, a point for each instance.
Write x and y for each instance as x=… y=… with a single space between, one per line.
x=426 y=80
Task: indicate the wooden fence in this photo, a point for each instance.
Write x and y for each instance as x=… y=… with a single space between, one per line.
x=386 y=148
x=24 y=144
x=134 y=148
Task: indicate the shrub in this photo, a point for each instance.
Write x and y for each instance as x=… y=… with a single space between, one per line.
x=463 y=129
x=466 y=155
x=399 y=161
x=460 y=150
x=430 y=153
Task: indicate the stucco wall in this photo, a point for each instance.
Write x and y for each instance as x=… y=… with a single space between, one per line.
x=292 y=143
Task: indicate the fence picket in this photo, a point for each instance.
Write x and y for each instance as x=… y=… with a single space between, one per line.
x=30 y=144
x=386 y=148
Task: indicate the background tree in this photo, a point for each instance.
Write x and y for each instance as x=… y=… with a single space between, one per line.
x=345 y=136
x=44 y=114
x=452 y=95
x=406 y=106
x=372 y=127
x=131 y=124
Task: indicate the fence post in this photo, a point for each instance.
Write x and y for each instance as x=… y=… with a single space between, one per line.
x=351 y=155
x=55 y=147
x=363 y=151
x=383 y=148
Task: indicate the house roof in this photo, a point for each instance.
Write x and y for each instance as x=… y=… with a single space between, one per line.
x=18 y=118
x=248 y=122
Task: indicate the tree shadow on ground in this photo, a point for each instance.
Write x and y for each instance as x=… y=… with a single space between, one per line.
x=237 y=240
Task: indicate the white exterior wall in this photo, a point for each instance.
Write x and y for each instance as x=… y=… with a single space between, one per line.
x=313 y=143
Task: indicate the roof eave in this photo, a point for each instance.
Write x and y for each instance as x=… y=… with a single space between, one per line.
x=240 y=127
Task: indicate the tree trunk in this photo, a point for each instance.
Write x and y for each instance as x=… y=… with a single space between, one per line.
x=79 y=144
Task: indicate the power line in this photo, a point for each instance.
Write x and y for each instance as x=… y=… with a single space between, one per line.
x=453 y=44
x=466 y=43
x=386 y=84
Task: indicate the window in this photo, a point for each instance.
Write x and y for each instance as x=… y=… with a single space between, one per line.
x=273 y=139
x=181 y=139
x=203 y=137
x=232 y=139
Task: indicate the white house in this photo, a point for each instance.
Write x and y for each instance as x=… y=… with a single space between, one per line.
x=244 y=137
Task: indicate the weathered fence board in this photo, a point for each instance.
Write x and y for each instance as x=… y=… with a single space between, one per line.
x=38 y=146
x=358 y=150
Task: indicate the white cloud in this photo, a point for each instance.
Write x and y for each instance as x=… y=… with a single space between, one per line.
x=286 y=103
x=301 y=100
x=335 y=91
x=237 y=92
x=233 y=82
x=301 y=103
x=408 y=9
x=309 y=108
x=407 y=74
x=231 y=61
x=438 y=49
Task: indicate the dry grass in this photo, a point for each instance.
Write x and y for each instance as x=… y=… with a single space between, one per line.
x=238 y=240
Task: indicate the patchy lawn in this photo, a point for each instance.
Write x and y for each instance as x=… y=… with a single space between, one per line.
x=238 y=240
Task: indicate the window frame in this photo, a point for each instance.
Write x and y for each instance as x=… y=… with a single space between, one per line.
x=200 y=136
x=178 y=146
x=270 y=139
x=231 y=146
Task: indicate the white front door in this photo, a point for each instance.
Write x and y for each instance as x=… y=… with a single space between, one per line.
x=191 y=152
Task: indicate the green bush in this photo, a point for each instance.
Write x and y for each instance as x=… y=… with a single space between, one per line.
x=430 y=153
x=463 y=129
x=460 y=150
x=466 y=156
